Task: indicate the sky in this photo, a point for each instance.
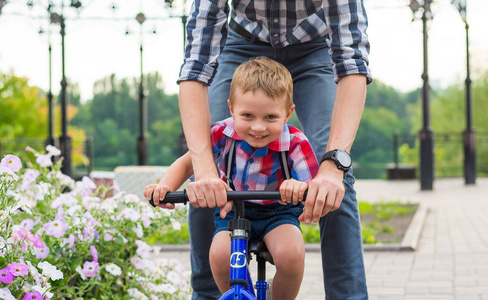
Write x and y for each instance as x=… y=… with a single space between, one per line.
x=96 y=43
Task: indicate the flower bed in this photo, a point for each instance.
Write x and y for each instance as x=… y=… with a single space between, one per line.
x=61 y=239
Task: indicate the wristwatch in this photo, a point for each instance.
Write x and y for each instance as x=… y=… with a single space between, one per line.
x=341 y=158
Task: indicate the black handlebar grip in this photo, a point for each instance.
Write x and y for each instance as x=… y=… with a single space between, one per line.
x=182 y=197
x=172 y=197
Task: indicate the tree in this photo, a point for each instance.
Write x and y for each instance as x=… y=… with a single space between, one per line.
x=112 y=118
x=448 y=121
x=24 y=118
x=23 y=109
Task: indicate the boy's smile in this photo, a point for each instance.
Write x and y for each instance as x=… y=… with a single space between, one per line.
x=259 y=119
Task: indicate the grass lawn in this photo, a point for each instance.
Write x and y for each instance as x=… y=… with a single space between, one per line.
x=382 y=222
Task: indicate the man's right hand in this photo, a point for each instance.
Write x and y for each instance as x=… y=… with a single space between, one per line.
x=208 y=191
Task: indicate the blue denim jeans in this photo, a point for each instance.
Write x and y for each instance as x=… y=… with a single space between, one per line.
x=264 y=218
x=313 y=94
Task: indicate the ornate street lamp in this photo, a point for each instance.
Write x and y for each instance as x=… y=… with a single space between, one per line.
x=469 y=135
x=142 y=153
x=50 y=135
x=426 y=134
x=64 y=140
x=2 y=4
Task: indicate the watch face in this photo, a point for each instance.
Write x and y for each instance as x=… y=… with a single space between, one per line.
x=343 y=158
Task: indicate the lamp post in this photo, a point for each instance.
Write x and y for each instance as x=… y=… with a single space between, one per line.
x=469 y=135
x=182 y=139
x=50 y=138
x=64 y=140
x=426 y=134
x=142 y=152
x=2 y=4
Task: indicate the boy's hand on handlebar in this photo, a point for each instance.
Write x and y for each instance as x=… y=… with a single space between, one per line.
x=158 y=192
x=325 y=193
x=208 y=192
x=291 y=191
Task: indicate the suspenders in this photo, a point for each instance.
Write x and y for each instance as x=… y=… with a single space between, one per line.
x=231 y=158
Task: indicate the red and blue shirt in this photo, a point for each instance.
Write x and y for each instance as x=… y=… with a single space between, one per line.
x=261 y=169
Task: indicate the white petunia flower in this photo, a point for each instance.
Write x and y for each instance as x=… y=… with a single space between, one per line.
x=50 y=270
x=136 y=294
x=131 y=198
x=173 y=277
x=131 y=214
x=5 y=294
x=168 y=288
x=176 y=225
x=43 y=290
x=143 y=249
x=79 y=269
x=113 y=269
x=53 y=150
x=138 y=230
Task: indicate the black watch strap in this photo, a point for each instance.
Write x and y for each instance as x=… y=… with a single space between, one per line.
x=331 y=155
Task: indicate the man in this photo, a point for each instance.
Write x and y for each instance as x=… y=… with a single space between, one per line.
x=298 y=34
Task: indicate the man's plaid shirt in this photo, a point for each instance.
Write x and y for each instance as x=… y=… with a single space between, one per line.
x=261 y=169
x=280 y=23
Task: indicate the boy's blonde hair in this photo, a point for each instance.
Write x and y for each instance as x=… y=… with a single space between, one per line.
x=266 y=75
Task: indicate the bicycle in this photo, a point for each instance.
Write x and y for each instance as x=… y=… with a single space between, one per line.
x=241 y=249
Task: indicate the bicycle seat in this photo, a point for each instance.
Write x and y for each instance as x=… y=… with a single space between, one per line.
x=259 y=248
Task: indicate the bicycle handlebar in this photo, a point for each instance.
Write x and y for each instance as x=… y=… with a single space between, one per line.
x=182 y=197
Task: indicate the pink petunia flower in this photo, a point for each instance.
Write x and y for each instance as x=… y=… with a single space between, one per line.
x=18 y=269
x=42 y=253
x=137 y=262
x=94 y=253
x=33 y=296
x=29 y=177
x=25 y=233
x=90 y=268
x=11 y=162
x=71 y=241
x=56 y=228
x=6 y=276
x=27 y=223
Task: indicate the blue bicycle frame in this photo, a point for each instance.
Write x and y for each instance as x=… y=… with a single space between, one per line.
x=240 y=277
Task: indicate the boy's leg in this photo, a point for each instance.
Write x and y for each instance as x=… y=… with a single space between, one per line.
x=341 y=239
x=219 y=260
x=201 y=226
x=285 y=243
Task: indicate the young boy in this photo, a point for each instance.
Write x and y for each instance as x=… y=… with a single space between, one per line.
x=260 y=104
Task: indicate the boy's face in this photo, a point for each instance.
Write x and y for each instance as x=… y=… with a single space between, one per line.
x=258 y=118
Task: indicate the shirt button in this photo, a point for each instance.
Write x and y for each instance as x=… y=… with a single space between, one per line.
x=275 y=20
x=275 y=35
x=246 y=187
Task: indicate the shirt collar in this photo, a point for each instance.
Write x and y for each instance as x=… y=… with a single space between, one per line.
x=280 y=144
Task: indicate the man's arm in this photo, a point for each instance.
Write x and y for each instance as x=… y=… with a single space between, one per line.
x=326 y=190
x=208 y=190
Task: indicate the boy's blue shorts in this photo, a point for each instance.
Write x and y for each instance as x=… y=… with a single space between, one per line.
x=264 y=218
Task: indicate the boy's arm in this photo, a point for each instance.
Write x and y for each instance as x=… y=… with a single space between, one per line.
x=173 y=178
x=304 y=167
